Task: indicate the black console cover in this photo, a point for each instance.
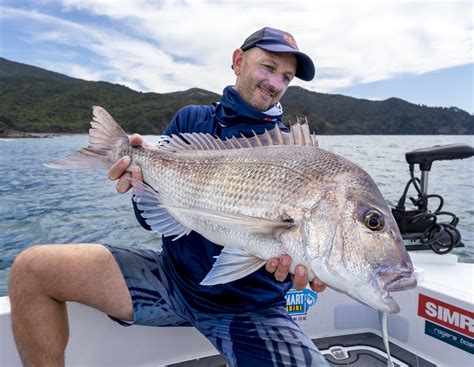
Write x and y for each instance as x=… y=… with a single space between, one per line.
x=426 y=156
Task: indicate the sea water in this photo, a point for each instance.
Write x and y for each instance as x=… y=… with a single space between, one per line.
x=40 y=205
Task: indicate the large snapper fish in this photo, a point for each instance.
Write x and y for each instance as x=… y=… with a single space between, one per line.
x=261 y=197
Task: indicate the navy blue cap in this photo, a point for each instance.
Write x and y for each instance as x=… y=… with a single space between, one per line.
x=275 y=40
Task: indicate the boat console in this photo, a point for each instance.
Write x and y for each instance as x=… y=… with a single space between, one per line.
x=426 y=156
x=425 y=229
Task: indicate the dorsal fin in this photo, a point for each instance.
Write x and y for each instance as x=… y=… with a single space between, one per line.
x=299 y=134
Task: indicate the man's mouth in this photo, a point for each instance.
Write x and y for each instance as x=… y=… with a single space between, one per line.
x=267 y=92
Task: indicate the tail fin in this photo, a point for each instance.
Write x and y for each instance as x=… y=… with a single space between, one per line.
x=104 y=135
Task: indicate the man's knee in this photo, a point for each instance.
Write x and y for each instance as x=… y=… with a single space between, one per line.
x=28 y=268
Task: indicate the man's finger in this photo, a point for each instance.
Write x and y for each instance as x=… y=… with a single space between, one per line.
x=300 y=279
x=136 y=140
x=317 y=285
x=271 y=265
x=283 y=268
x=137 y=173
x=119 y=167
x=123 y=184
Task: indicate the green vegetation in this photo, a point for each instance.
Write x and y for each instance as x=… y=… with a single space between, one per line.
x=39 y=101
x=337 y=114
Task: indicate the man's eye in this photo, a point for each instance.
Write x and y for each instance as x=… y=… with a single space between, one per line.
x=268 y=67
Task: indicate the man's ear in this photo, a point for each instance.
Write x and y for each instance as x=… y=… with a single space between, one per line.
x=237 y=61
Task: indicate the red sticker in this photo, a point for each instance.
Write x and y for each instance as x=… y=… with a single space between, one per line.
x=443 y=313
x=291 y=41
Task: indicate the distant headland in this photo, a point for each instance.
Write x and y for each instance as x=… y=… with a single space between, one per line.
x=35 y=102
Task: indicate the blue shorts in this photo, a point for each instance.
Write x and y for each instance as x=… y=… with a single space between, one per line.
x=267 y=337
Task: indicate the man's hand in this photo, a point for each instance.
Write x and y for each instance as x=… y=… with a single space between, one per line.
x=119 y=170
x=280 y=267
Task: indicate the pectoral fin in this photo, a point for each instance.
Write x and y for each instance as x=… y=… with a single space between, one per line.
x=155 y=215
x=232 y=264
x=238 y=222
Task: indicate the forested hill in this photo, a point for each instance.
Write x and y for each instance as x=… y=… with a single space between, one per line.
x=37 y=100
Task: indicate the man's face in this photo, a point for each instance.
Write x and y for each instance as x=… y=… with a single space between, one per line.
x=262 y=76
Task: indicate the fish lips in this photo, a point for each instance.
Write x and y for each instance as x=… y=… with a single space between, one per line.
x=390 y=281
x=395 y=279
x=400 y=282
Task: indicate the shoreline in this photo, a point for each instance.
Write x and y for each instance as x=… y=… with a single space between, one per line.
x=22 y=134
x=14 y=134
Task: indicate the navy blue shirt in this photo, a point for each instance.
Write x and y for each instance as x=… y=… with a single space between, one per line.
x=190 y=258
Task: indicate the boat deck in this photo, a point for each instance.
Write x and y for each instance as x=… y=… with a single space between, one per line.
x=364 y=350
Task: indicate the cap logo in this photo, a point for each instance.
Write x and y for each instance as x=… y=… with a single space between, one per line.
x=290 y=40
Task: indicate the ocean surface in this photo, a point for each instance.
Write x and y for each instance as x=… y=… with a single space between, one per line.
x=40 y=205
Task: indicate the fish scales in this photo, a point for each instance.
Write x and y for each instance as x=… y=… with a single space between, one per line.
x=234 y=180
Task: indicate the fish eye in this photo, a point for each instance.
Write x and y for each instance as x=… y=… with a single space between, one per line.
x=374 y=220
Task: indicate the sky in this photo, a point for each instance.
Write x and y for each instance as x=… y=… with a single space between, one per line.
x=419 y=51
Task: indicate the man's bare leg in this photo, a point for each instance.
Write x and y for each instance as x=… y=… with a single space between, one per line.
x=43 y=278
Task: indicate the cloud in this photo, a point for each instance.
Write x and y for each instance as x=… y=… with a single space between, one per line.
x=165 y=46
x=130 y=60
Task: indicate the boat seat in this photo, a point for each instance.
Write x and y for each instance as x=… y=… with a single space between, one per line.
x=426 y=156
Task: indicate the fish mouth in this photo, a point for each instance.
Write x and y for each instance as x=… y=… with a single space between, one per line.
x=395 y=282
x=401 y=282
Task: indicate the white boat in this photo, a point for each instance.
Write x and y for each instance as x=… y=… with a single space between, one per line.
x=435 y=326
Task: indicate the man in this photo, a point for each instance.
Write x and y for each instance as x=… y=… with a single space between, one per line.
x=245 y=319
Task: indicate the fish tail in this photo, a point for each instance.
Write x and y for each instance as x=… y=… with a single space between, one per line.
x=104 y=135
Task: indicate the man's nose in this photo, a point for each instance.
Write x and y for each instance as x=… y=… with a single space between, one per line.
x=278 y=83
